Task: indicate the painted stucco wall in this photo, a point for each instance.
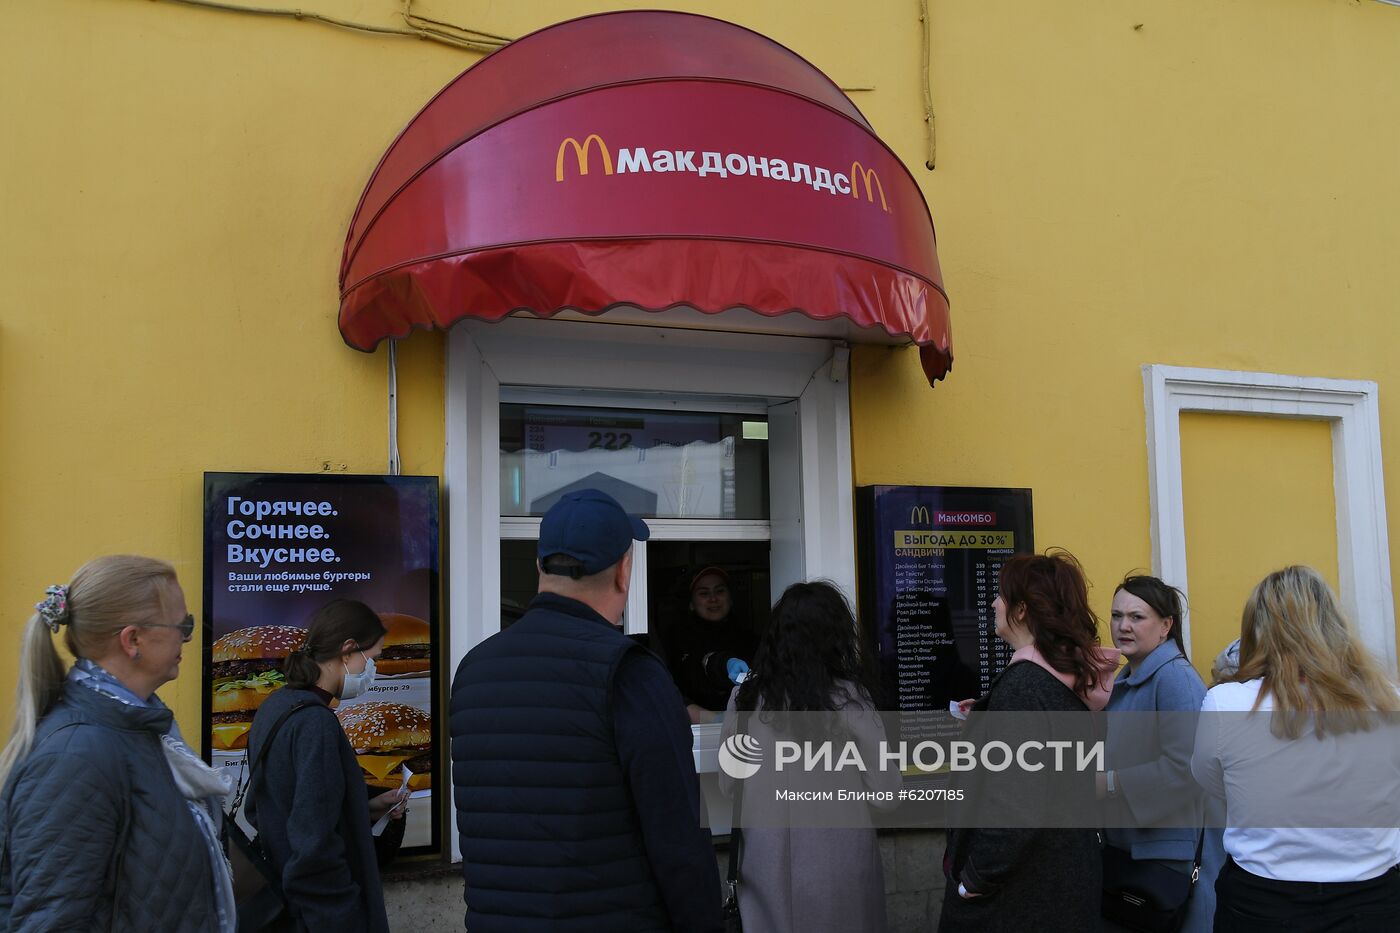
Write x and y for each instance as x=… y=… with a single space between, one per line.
x=1213 y=189
x=1118 y=182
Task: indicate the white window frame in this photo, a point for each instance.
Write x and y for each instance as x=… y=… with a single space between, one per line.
x=574 y=355
x=1350 y=407
x=527 y=527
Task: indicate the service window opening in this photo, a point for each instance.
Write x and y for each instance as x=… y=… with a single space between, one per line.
x=701 y=585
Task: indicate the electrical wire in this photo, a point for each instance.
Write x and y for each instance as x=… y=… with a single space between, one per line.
x=419 y=27
x=926 y=86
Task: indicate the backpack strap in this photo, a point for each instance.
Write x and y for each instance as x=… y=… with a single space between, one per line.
x=255 y=768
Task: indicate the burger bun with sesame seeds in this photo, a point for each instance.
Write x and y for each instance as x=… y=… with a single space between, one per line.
x=387 y=737
x=246 y=670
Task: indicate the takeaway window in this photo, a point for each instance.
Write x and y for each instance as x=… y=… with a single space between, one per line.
x=657 y=462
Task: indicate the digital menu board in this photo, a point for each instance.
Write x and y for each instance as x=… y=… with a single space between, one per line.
x=929 y=563
x=278 y=547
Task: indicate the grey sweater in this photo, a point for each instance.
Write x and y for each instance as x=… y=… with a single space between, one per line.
x=311 y=811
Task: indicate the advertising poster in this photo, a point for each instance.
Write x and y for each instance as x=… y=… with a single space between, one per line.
x=278 y=547
x=930 y=557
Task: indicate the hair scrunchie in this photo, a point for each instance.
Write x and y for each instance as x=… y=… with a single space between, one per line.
x=54 y=608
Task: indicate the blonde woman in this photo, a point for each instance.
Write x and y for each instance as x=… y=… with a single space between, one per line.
x=1302 y=664
x=107 y=819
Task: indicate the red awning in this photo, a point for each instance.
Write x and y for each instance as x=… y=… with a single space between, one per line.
x=645 y=159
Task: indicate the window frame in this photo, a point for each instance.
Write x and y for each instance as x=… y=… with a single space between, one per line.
x=805 y=378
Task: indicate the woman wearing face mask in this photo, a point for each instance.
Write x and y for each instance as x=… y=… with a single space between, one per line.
x=108 y=821
x=712 y=648
x=309 y=803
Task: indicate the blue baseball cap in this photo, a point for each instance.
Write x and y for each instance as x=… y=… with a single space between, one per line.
x=590 y=526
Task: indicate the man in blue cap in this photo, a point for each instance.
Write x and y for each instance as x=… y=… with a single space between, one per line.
x=577 y=802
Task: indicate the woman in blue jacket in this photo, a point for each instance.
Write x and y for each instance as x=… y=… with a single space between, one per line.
x=1148 y=783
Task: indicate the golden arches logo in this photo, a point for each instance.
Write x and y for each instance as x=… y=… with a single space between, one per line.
x=918 y=513
x=858 y=172
x=581 y=154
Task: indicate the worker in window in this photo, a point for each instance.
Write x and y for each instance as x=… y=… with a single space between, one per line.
x=711 y=649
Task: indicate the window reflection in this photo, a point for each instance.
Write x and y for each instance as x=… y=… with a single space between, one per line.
x=660 y=464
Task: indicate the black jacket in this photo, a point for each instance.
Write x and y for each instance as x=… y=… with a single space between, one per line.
x=700 y=650
x=1047 y=880
x=96 y=835
x=577 y=801
x=311 y=811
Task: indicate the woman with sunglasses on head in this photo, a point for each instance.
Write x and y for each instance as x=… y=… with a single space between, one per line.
x=1303 y=736
x=107 y=819
x=309 y=802
x=1028 y=877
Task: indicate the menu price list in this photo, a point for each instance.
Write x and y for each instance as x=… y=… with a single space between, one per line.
x=931 y=559
x=993 y=654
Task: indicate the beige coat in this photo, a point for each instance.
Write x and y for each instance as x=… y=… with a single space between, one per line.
x=807 y=879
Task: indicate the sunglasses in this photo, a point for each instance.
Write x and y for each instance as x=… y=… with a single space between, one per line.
x=186 y=627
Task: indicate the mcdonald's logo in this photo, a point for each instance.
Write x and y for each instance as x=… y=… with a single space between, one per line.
x=858 y=172
x=918 y=513
x=581 y=153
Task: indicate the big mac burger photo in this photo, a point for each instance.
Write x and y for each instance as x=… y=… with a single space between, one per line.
x=387 y=737
x=247 y=668
x=407 y=646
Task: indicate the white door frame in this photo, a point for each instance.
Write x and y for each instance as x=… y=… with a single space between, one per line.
x=593 y=355
x=1352 y=409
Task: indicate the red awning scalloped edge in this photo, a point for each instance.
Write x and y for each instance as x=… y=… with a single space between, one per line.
x=593 y=276
x=481 y=208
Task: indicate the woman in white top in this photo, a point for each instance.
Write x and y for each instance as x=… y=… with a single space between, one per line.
x=1320 y=757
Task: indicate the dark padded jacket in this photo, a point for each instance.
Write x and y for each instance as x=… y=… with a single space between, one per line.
x=551 y=841
x=96 y=834
x=311 y=811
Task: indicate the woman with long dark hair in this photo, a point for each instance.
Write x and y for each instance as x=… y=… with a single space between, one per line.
x=309 y=802
x=1033 y=878
x=1296 y=729
x=809 y=661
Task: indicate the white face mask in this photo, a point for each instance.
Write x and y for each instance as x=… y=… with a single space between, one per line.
x=356 y=684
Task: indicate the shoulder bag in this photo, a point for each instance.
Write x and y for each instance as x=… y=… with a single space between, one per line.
x=1141 y=894
x=733 y=922
x=257 y=883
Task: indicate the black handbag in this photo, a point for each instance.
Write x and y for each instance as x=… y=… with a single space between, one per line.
x=257 y=886
x=1144 y=895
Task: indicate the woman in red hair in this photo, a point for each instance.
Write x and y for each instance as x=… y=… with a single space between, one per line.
x=1021 y=878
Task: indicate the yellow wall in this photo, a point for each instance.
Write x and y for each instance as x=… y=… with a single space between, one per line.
x=1209 y=190
x=1258 y=496
x=1212 y=189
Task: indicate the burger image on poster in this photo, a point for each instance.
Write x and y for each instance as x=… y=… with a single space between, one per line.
x=407 y=647
x=387 y=738
x=247 y=668
x=390 y=741
x=403 y=666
